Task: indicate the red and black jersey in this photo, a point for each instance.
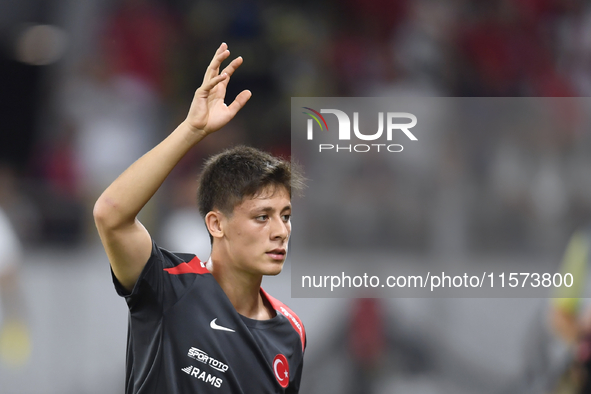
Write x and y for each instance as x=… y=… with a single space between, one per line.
x=186 y=337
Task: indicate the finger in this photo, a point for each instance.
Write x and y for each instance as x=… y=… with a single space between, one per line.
x=239 y=101
x=230 y=68
x=214 y=67
x=208 y=85
x=223 y=46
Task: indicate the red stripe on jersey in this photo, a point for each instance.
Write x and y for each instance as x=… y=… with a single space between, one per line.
x=291 y=316
x=192 y=267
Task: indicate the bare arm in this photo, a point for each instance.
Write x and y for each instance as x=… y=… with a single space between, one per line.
x=126 y=241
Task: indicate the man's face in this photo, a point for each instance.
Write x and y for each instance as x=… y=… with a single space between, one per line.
x=257 y=232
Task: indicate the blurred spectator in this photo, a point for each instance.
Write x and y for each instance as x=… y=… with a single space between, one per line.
x=423 y=46
x=19 y=206
x=138 y=42
x=372 y=350
x=116 y=117
x=562 y=361
x=14 y=337
x=184 y=228
x=367 y=344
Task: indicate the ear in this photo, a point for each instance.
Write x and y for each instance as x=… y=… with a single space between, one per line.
x=213 y=221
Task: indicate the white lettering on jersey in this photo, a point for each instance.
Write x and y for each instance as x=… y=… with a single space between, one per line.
x=293 y=319
x=204 y=376
x=203 y=357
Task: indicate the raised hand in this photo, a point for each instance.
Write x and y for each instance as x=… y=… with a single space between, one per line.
x=208 y=112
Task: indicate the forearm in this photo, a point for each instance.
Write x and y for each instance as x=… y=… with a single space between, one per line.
x=120 y=203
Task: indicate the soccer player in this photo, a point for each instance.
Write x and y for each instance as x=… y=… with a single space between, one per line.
x=209 y=327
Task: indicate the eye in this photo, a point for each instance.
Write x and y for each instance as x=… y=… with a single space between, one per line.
x=262 y=218
x=286 y=218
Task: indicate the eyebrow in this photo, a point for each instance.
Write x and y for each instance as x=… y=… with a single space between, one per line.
x=271 y=209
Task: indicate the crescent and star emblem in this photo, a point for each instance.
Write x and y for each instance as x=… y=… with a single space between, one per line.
x=281 y=370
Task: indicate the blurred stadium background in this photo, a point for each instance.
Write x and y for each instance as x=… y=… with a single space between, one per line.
x=86 y=87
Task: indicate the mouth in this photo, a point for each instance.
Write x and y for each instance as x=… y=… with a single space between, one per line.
x=277 y=254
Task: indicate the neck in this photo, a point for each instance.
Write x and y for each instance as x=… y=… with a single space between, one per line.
x=242 y=289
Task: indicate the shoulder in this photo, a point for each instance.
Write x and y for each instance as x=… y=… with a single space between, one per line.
x=295 y=321
x=164 y=273
x=183 y=263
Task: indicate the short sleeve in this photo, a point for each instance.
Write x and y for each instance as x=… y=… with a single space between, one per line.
x=156 y=290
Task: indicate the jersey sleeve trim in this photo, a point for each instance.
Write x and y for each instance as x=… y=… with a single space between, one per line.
x=295 y=321
x=195 y=266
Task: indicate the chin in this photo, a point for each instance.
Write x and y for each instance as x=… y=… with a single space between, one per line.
x=273 y=270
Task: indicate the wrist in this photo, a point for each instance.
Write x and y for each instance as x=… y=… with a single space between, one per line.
x=192 y=134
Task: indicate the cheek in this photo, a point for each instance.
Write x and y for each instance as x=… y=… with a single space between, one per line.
x=249 y=234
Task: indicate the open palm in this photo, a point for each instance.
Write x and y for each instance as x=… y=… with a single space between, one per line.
x=208 y=112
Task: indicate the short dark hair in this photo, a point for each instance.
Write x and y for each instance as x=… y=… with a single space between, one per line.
x=240 y=172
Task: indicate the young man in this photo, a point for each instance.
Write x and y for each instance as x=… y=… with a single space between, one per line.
x=207 y=327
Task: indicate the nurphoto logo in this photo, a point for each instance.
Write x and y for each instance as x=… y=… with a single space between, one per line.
x=394 y=126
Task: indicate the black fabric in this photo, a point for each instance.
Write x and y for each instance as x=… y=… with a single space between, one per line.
x=172 y=348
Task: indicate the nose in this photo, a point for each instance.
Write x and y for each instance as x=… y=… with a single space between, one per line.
x=280 y=229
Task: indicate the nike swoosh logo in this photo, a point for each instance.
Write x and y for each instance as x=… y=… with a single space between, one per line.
x=218 y=327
